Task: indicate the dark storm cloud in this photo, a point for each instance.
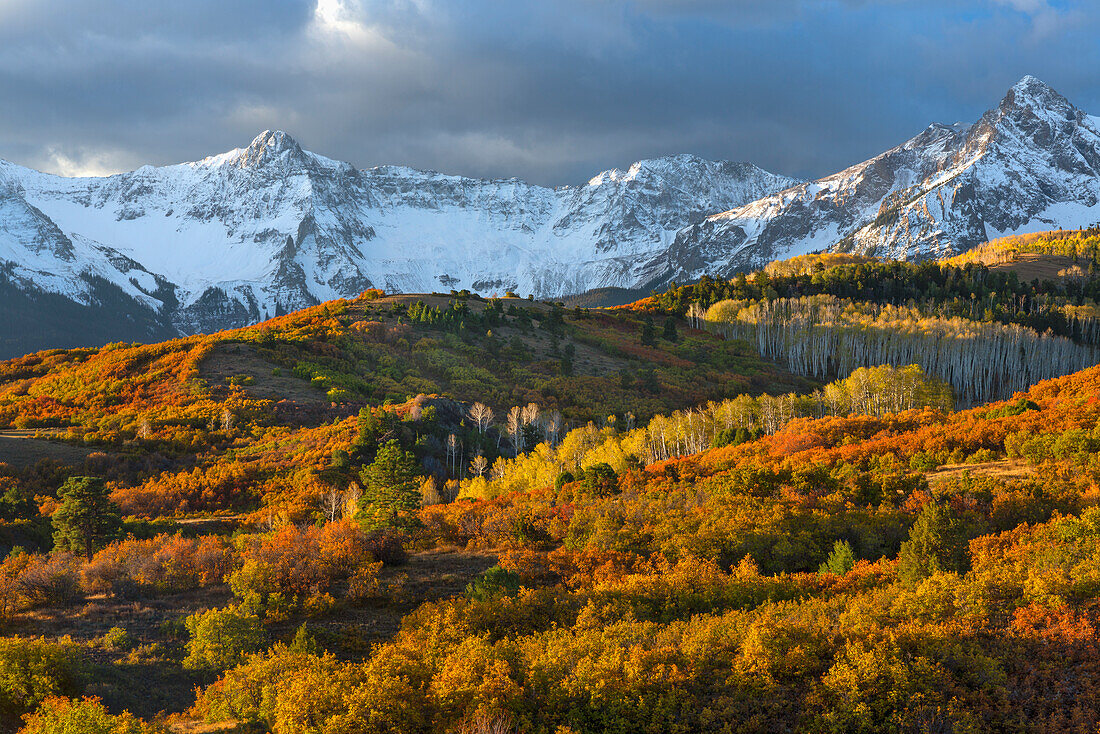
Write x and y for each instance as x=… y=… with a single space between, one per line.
x=552 y=91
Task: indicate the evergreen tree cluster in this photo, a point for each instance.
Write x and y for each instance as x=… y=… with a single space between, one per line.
x=972 y=291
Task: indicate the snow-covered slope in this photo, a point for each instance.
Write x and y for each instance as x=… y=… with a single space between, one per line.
x=1032 y=163
x=265 y=229
x=262 y=230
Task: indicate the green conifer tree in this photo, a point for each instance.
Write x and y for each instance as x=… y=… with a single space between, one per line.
x=86 y=520
x=649 y=333
x=937 y=543
x=669 y=332
x=840 y=561
x=391 y=492
x=567 y=359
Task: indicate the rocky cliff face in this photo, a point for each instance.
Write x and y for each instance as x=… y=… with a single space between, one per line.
x=1032 y=163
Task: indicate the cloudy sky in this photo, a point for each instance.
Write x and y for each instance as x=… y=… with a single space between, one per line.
x=548 y=90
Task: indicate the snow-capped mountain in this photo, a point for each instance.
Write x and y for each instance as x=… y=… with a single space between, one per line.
x=238 y=237
x=258 y=231
x=1030 y=164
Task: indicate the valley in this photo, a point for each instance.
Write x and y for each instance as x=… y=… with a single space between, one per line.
x=432 y=512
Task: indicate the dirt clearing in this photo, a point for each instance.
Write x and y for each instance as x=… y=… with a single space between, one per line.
x=22 y=449
x=237 y=361
x=1006 y=469
x=1029 y=266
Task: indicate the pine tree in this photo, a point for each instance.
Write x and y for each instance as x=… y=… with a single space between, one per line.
x=840 y=561
x=304 y=642
x=87 y=519
x=391 y=491
x=601 y=480
x=937 y=543
x=669 y=332
x=649 y=333
x=567 y=359
x=647 y=380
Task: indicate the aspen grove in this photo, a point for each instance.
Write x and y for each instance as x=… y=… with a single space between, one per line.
x=822 y=336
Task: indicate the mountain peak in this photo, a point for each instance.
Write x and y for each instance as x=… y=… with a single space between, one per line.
x=675 y=164
x=1033 y=94
x=1031 y=83
x=269 y=145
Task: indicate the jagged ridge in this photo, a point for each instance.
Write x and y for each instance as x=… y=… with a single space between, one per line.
x=1032 y=163
x=269 y=228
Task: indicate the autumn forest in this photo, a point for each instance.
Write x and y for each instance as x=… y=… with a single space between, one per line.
x=838 y=494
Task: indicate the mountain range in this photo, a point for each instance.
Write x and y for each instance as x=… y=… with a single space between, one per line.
x=262 y=230
x=1030 y=164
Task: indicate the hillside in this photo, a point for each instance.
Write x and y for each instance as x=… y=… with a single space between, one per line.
x=692 y=589
x=681 y=590
x=972 y=320
x=202 y=403
x=1059 y=256
x=438 y=513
